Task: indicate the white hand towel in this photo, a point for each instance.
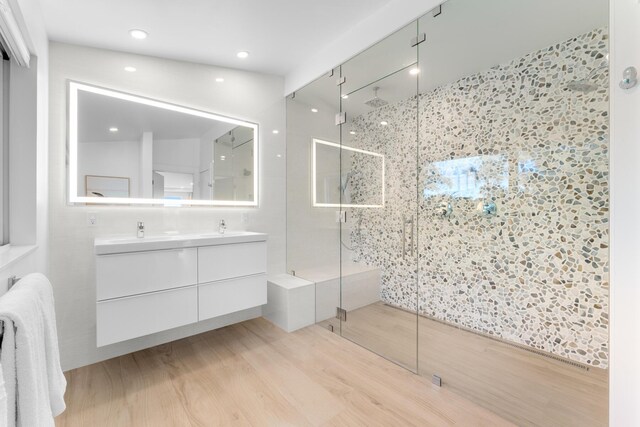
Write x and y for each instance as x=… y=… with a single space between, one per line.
x=30 y=357
x=3 y=401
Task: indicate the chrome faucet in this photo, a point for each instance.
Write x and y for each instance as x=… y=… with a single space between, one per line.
x=222 y=227
x=140 y=229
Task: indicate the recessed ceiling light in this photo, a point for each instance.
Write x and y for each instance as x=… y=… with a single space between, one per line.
x=345 y=96
x=353 y=132
x=383 y=123
x=113 y=129
x=314 y=110
x=242 y=54
x=275 y=131
x=219 y=80
x=278 y=155
x=130 y=69
x=138 y=34
x=223 y=157
x=414 y=71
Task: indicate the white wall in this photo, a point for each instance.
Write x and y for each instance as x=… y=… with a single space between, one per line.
x=249 y=96
x=624 y=375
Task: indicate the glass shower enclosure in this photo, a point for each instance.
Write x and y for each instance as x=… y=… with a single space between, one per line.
x=448 y=197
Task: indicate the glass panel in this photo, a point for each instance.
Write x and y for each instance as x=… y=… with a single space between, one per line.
x=378 y=194
x=384 y=58
x=513 y=203
x=313 y=235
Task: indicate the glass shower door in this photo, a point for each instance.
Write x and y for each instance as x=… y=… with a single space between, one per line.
x=378 y=159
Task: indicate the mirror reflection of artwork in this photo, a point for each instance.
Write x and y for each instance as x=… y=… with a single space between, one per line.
x=346 y=176
x=168 y=152
x=106 y=186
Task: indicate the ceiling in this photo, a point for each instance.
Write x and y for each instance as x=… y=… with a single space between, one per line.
x=97 y=113
x=279 y=34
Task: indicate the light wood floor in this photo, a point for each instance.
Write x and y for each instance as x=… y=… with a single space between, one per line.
x=523 y=387
x=255 y=374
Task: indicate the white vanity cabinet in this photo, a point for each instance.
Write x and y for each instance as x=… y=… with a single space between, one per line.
x=150 y=285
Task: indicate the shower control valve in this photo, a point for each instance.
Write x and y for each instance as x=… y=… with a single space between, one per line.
x=487 y=209
x=445 y=210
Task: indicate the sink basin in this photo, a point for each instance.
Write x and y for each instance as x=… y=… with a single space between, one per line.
x=119 y=244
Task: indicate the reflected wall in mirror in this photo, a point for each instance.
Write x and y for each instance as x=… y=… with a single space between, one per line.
x=361 y=183
x=168 y=154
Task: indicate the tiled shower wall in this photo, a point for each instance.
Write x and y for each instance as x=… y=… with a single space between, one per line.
x=537 y=273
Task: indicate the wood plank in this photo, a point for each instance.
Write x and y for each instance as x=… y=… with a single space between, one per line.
x=256 y=374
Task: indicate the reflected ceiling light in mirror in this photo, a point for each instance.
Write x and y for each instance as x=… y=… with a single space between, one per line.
x=219 y=80
x=113 y=129
x=275 y=131
x=130 y=69
x=314 y=110
x=138 y=34
x=243 y=54
x=353 y=132
x=414 y=71
x=345 y=96
x=223 y=157
x=384 y=123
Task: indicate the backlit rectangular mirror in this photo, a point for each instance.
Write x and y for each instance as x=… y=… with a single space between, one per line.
x=126 y=149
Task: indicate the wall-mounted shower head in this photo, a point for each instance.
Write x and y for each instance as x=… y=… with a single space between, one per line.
x=582 y=86
x=586 y=85
x=376 y=102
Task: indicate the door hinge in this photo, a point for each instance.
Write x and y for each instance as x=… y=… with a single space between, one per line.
x=341 y=314
x=330 y=73
x=341 y=80
x=341 y=118
x=419 y=39
x=341 y=216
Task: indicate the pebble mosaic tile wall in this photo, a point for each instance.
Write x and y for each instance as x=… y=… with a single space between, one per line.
x=516 y=135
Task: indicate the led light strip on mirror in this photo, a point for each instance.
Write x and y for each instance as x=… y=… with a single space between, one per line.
x=75 y=88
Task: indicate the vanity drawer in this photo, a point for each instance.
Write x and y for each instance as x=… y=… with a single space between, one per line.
x=228 y=261
x=135 y=273
x=228 y=296
x=131 y=317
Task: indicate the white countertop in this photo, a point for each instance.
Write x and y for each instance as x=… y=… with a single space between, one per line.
x=120 y=244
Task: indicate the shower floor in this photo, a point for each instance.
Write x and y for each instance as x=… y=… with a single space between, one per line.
x=524 y=387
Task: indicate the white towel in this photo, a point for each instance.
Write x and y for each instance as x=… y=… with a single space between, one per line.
x=3 y=401
x=29 y=355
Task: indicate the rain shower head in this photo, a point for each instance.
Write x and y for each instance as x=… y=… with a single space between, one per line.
x=376 y=102
x=582 y=86
x=585 y=85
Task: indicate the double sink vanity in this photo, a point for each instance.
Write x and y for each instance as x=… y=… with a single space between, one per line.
x=151 y=284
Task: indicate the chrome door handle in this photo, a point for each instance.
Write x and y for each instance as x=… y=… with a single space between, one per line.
x=406 y=221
